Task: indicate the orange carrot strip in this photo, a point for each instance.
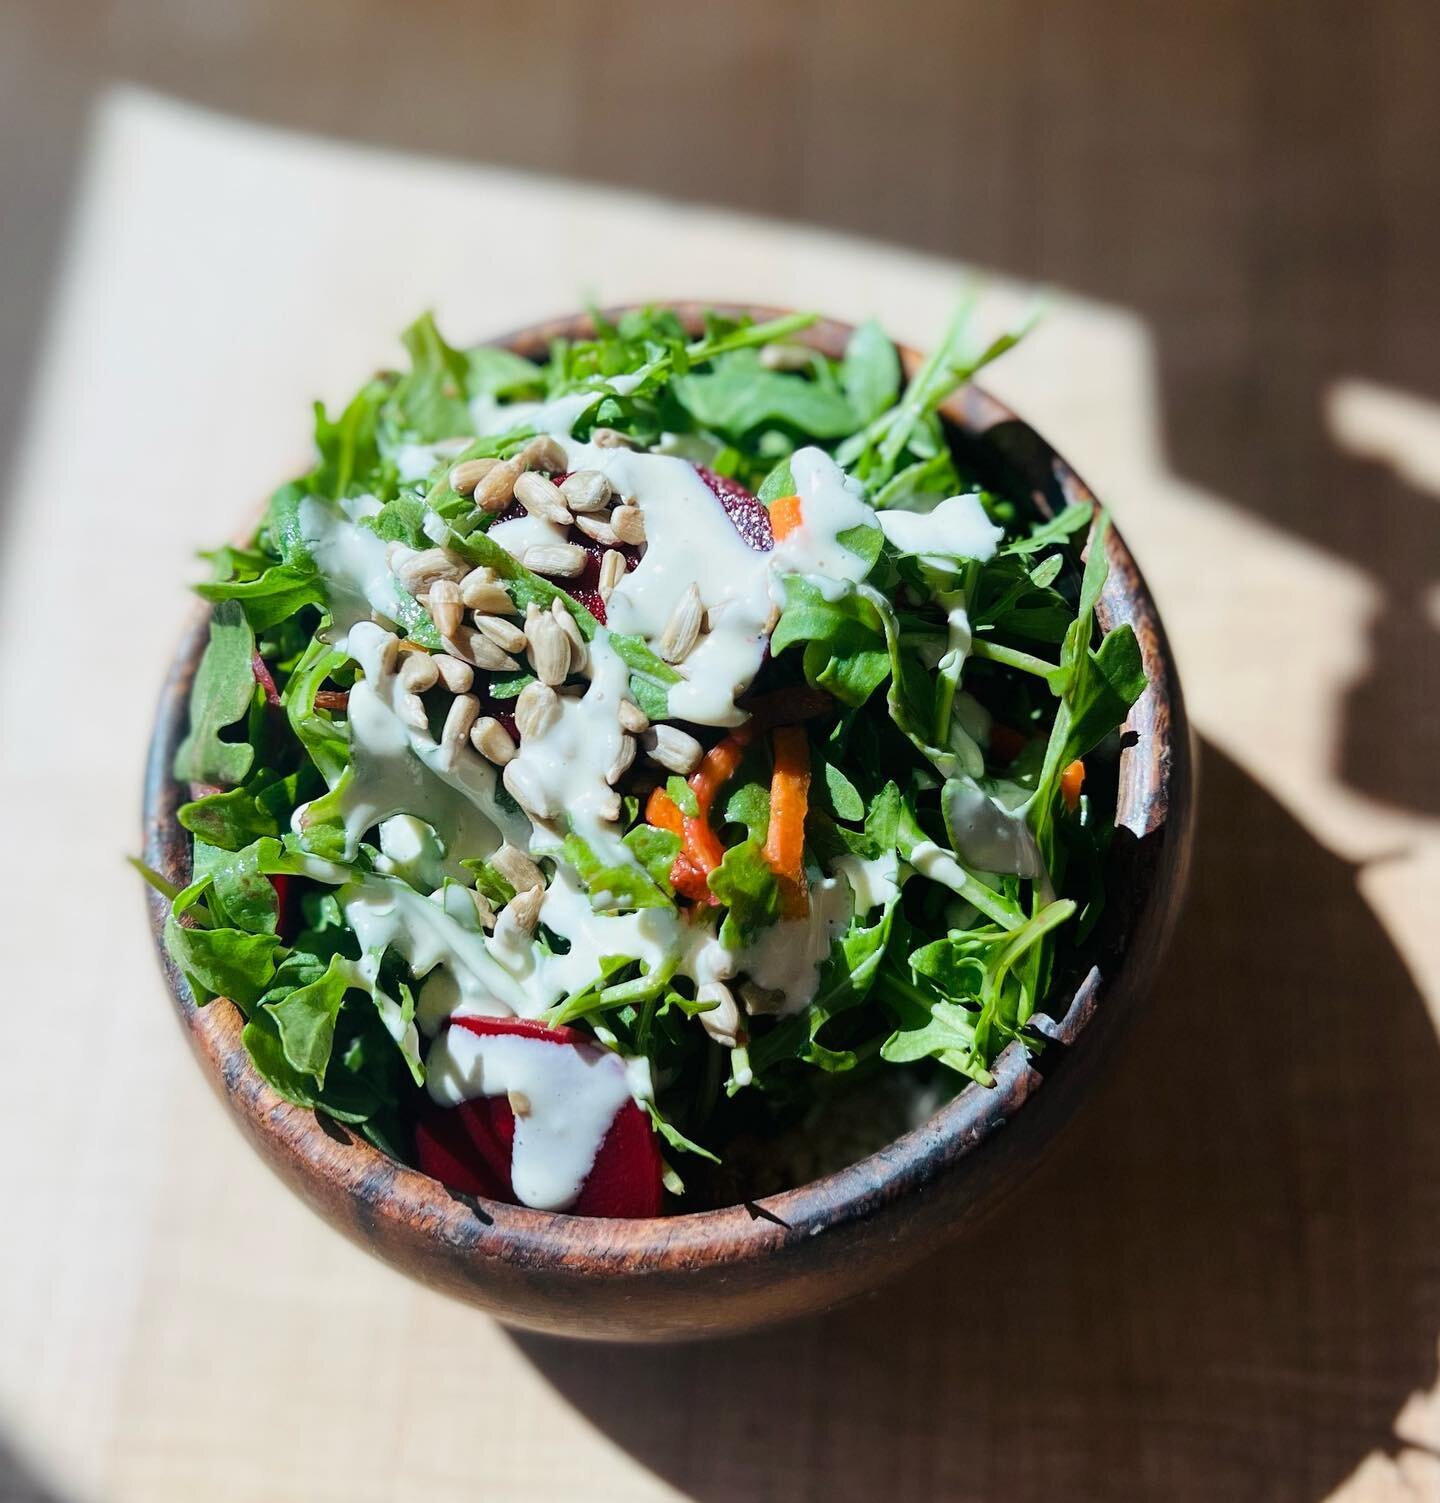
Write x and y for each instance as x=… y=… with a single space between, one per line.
x=702 y=845
x=785 y=516
x=1072 y=780
x=663 y=812
x=789 y=799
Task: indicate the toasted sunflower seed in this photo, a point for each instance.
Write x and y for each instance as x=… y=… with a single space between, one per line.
x=608 y=438
x=457 y=677
x=721 y=1022
x=682 y=630
x=496 y=489
x=612 y=571
x=472 y=646
x=492 y=740
x=786 y=357
x=466 y=475
x=522 y=785
x=445 y=606
x=487 y=595
x=543 y=453
x=537 y=707
x=411 y=710
x=483 y=909
x=458 y=720
x=549 y=648
x=629 y=524
x=418 y=672
x=517 y=868
x=566 y=622
x=598 y=529
x=417 y=571
x=519 y=1103
x=585 y=490
x=624 y=756
x=524 y=908
x=633 y=718
x=608 y=807
x=671 y=748
x=504 y=634
x=389 y=654
x=541 y=498
x=563 y=560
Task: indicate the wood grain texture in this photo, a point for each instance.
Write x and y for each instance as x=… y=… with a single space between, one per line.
x=788 y=1254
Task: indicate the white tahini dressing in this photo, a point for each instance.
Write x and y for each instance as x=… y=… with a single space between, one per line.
x=573 y=1095
x=787 y=956
x=958 y=526
x=351 y=559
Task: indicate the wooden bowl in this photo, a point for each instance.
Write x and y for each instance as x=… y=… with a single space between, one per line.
x=721 y=1271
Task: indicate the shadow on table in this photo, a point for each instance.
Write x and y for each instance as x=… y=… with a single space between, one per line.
x=18 y=1484
x=1218 y=1287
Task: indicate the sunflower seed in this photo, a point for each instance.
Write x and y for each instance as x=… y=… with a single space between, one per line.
x=417 y=571
x=468 y=474
x=458 y=720
x=585 y=490
x=411 y=710
x=543 y=453
x=612 y=571
x=418 y=672
x=496 y=489
x=389 y=653
x=455 y=675
x=541 y=498
x=629 y=524
x=608 y=438
x=564 y=560
x=524 y=908
x=597 y=529
x=682 y=630
x=445 y=606
x=537 y=707
x=504 y=634
x=624 y=756
x=487 y=595
x=492 y=740
x=472 y=646
x=519 y=1103
x=517 y=868
x=633 y=718
x=483 y=910
x=532 y=796
x=721 y=1022
x=566 y=622
x=549 y=648
x=786 y=357
x=761 y=1001
x=671 y=748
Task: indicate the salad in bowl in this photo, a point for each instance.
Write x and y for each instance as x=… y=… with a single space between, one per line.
x=642 y=778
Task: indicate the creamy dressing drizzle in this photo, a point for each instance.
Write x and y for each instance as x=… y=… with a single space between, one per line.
x=787 y=956
x=573 y=1097
x=958 y=526
x=352 y=560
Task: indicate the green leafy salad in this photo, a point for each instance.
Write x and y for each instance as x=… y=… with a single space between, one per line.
x=639 y=779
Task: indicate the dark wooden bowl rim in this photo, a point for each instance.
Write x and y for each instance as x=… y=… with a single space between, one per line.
x=331 y=1161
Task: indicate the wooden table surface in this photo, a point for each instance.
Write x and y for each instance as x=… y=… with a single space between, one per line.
x=1224 y=1284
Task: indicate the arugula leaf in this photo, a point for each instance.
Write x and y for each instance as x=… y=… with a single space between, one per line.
x=430 y=402
x=656 y=851
x=682 y=795
x=739 y=395
x=612 y=888
x=222 y=693
x=870 y=372
x=222 y=962
x=745 y=884
x=348 y=450
x=231 y=820
x=844 y=797
x=845 y=652
x=305 y=1014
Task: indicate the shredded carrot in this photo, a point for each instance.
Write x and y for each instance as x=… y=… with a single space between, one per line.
x=1072 y=780
x=789 y=798
x=663 y=812
x=785 y=516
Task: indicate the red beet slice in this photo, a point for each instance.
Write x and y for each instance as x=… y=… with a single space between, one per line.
x=749 y=514
x=469 y=1147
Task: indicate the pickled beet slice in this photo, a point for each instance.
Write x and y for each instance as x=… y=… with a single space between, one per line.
x=749 y=514
x=469 y=1147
